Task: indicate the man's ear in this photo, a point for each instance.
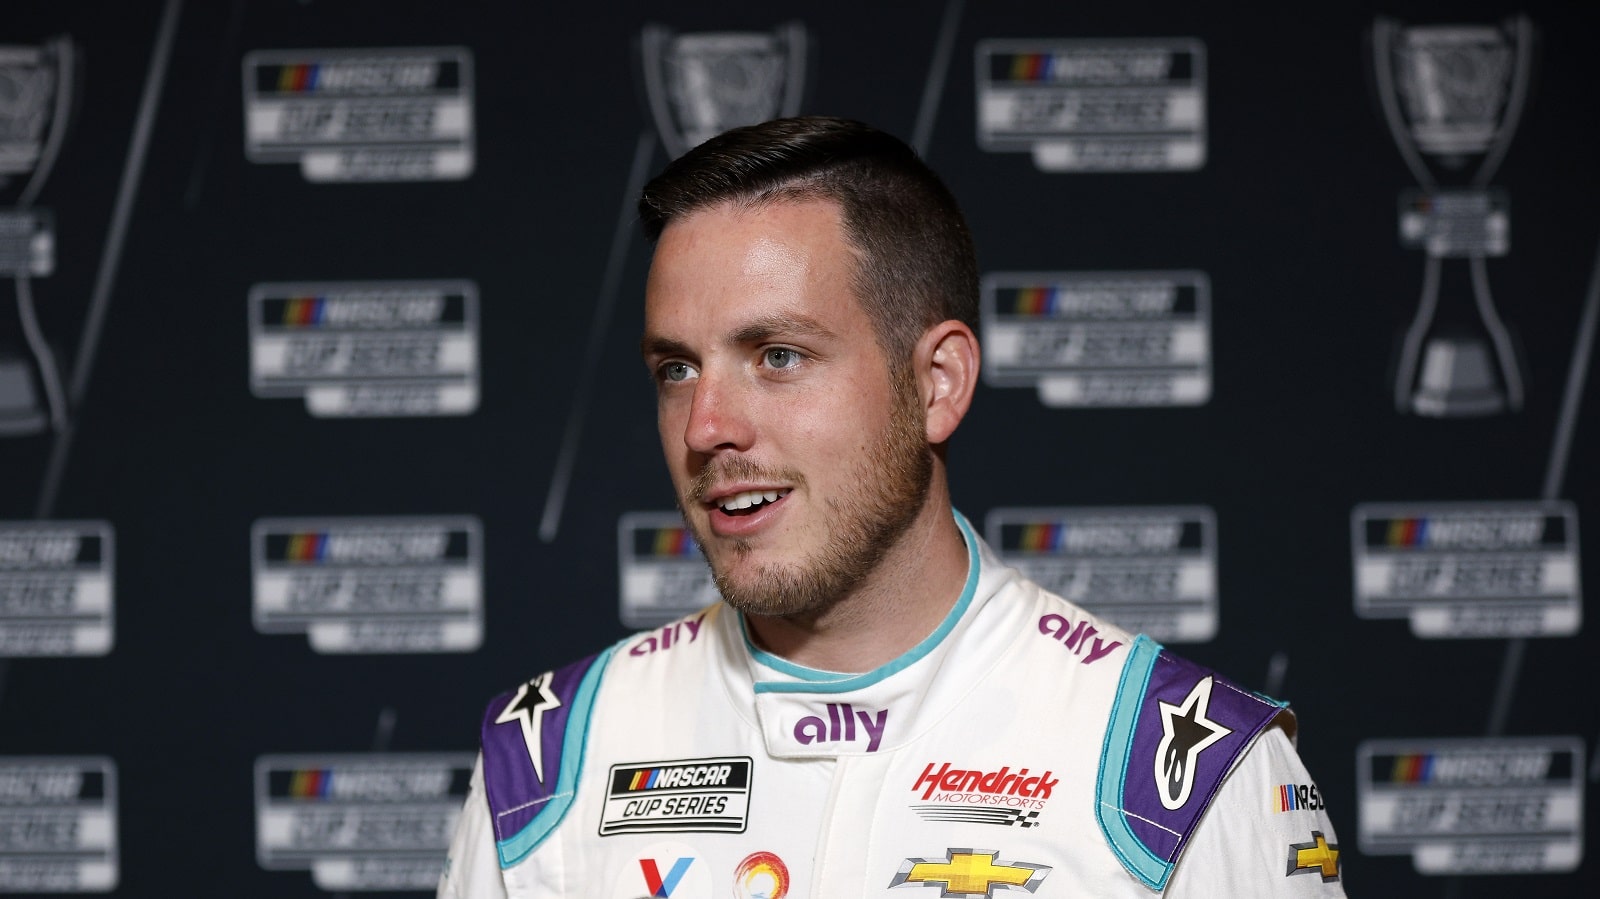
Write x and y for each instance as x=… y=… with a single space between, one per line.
x=946 y=359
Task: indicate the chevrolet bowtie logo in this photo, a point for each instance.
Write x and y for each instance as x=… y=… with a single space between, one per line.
x=969 y=872
x=1316 y=856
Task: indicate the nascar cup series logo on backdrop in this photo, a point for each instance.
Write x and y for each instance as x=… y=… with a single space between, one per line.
x=56 y=588
x=360 y=821
x=376 y=584
x=1452 y=96
x=58 y=824
x=1147 y=569
x=367 y=348
x=1473 y=806
x=700 y=85
x=1108 y=339
x=1095 y=105
x=660 y=570
x=399 y=114
x=1503 y=569
x=35 y=97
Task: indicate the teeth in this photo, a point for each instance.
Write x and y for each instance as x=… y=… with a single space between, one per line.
x=750 y=498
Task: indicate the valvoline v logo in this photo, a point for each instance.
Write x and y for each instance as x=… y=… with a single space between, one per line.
x=661 y=885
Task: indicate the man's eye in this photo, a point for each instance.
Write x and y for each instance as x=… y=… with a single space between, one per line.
x=778 y=357
x=677 y=371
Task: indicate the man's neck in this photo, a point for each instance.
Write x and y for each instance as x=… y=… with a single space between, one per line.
x=904 y=599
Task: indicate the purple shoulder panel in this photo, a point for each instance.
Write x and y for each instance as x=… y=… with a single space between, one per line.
x=532 y=743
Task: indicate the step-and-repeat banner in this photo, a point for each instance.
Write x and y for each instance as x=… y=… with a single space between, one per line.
x=322 y=418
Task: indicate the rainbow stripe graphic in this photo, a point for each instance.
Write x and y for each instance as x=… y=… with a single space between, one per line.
x=670 y=541
x=645 y=778
x=307 y=548
x=310 y=783
x=1043 y=538
x=304 y=311
x=1288 y=798
x=299 y=78
x=1036 y=302
x=762 y=875
x=1412 y=768
x=1032 y=67
x=1411 y=532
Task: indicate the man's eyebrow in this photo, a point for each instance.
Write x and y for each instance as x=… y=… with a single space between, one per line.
x=656 y=345
x=780 y=324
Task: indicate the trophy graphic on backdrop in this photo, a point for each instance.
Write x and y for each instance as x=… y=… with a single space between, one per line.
x=699 y=85
x=35 y=94
x=1451 y=96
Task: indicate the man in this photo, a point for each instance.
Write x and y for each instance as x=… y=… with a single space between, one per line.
x=879 y=703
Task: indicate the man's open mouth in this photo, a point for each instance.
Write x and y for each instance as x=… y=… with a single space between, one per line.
x=748 y=501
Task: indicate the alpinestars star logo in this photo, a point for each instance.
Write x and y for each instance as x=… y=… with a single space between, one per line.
x=1185 y=733
x=527 y=708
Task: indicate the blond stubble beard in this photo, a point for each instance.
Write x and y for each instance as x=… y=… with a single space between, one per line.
x=863 y=526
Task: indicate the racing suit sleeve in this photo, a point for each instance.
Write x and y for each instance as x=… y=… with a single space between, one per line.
x=472 y=868
x=1267 y=833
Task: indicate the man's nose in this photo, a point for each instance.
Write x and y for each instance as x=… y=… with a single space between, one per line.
x=719 y=417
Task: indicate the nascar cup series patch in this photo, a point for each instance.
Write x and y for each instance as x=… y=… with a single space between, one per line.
x=681 y=795
x=1105 y=339
x=377 y=584
x=1095 y=105
x=1149 y=569
x=399 y=114
x=360 y=821
x=58 y=824
x=56 y=588
x=1494 y=569
x=1473 y=806
x=367 y=348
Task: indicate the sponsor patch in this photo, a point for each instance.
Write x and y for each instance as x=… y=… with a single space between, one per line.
x=664 y=871
x=660 y=569
x=56 y=588
x=1315 y=856
x=1095 y=105
x=970 y=872
x=1100 y=339
x=58 y=824
x=1296 y=798
x=27 y=243
x=1185 y=733
x=1473 y=806
x=1150 y=570
x=684 y=795
x=360 y=821
x=761 y=875
x=397 y=114
x=841 y=722
x=1006 y=797
x=376 y=584
x=675 y=634
x=367 y=348
x=1493 y=569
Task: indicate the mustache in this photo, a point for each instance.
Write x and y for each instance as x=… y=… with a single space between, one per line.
x=737 y=468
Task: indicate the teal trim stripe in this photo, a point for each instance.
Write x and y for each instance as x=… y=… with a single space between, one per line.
x=517 y=847
x=1135 y=856
x=814 y=681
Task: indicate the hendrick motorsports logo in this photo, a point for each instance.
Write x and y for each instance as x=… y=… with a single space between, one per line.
x=660 y=569
x=58 y=824
x=360 y=822
x=402 y=114
x=356 y=348
x=1473 y=806
x=1003 y=796
x=1147 y=569
x=1500 y=569
x=683 y=795
x=56 y=588
x=1107 y=339
x=1097 y=105
x=373 y=584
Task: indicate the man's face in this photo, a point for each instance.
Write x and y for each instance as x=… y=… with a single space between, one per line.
x=797 y=458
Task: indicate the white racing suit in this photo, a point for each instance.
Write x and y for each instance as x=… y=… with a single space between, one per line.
x=1022 y=747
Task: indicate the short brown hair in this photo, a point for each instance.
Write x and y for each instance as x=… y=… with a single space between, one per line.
x=918 y=266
